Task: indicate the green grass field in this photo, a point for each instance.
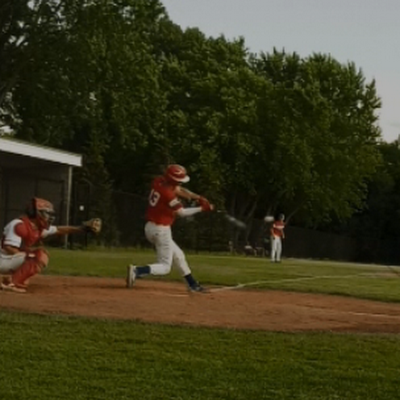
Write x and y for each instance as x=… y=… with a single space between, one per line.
x=55 y=357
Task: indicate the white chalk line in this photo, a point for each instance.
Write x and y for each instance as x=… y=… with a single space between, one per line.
x=362 y=314
x=161 y=293
x=306 y=278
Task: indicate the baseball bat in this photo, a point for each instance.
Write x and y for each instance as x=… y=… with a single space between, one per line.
x=231 y=219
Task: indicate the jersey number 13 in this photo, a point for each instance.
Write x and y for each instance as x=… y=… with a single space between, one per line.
x=154 y=197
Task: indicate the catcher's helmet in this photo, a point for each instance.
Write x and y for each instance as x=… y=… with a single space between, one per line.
x=281 y=217
x=176 y=174
x=42 y=211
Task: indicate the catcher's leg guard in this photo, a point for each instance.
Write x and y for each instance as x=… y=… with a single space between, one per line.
x=30 y=267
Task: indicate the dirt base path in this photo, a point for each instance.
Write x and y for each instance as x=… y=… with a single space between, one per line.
x=156 y=301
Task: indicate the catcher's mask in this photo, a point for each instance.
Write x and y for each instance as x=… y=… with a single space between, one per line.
x=176 y=174
x=42 y=211
x=281 y=217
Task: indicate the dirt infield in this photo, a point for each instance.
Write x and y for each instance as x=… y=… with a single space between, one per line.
x=156 y=301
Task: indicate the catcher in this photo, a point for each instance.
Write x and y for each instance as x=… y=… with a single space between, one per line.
x=21 y=253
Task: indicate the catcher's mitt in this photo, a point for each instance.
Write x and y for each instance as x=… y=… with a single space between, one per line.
x=92 y=226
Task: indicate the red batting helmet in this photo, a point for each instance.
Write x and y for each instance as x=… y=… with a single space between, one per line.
x=176 y=174
x=41 y=210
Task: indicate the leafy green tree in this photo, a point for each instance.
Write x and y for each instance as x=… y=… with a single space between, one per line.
x=323 y=134
x=25 y=28
x=92 y=86
x=121 y=83
x=208 y=86
x=380 y=218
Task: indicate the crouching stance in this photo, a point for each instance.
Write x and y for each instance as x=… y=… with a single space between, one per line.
x=20 y=258
x=163 y=206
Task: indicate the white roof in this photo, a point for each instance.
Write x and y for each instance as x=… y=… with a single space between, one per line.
x=40 y=152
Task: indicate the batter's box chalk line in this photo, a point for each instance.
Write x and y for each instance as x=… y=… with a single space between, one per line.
x=287 y=280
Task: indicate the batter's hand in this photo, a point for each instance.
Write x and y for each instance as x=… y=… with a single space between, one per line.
x=205 y=204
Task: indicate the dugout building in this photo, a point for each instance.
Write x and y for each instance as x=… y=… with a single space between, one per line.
x=28 y=170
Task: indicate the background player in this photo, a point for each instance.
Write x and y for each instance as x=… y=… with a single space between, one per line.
x=164 y=205
x=19 y=255
x=277 y=234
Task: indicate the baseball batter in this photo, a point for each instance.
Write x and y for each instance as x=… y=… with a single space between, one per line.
x=20 y=256
x=163 y=206
x=277 y=234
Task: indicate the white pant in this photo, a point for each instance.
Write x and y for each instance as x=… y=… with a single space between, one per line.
x=9 y=263
x=276 y=248
x=167 y=250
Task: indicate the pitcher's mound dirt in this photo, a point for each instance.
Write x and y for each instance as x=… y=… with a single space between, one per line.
x=157 y=301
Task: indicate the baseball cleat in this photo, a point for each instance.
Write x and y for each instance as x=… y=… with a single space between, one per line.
x=10 y=287
x=197 y=288
x=7 y=280
x=130 y=275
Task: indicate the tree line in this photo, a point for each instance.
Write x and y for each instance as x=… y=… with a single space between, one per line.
x=119 y=82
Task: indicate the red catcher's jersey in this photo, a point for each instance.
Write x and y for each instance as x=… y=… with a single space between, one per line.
x=21 y=233
x=277 y=228
x=163 y=203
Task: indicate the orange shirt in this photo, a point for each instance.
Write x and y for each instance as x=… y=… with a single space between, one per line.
x=277 y=229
